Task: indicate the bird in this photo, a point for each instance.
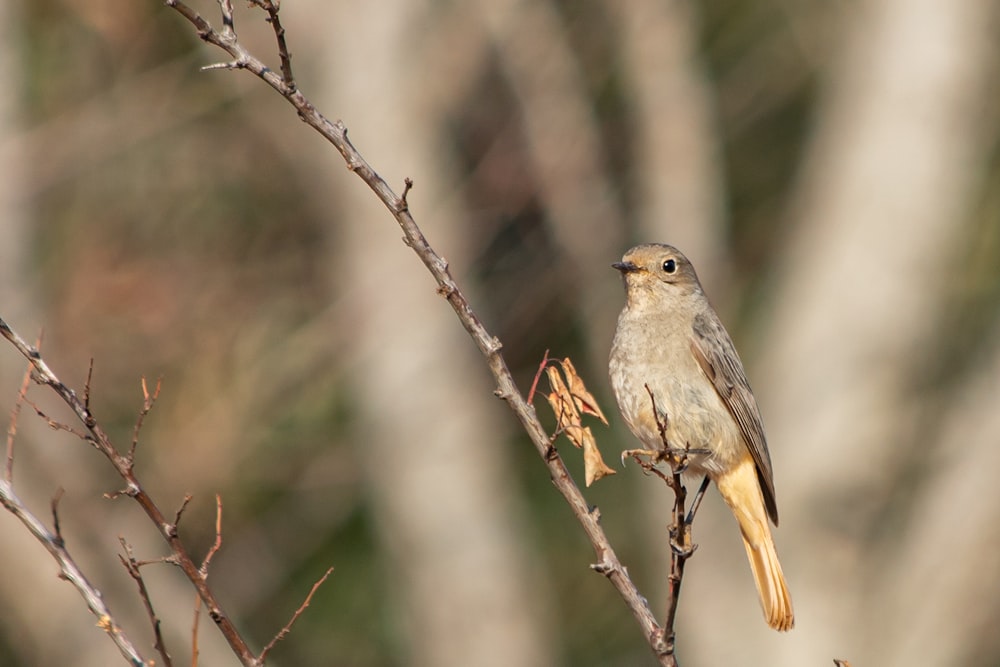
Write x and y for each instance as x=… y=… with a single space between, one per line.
x=670 y=340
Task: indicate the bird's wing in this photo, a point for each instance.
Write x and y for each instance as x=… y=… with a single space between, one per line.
x=716 y=354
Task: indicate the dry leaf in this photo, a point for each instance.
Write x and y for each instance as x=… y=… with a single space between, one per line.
x=584 y=400
x=594 y=467
x=561 y=400
x=569 y=399
x=575 y=433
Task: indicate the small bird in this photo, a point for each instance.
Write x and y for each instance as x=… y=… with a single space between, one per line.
x=670 y=340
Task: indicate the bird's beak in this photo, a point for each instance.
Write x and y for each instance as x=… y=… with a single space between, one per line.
x=625 y=267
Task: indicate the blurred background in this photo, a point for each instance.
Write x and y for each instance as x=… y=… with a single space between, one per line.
x=831 y=168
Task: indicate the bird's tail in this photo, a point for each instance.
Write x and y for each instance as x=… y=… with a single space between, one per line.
x=741 y=491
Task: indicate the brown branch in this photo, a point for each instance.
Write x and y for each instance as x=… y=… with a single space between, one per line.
x=679 y=530
x=218 y=538
x=194 y=631
x=147 y=404
x=538 y=376
x=53 y=540
x=54 y=505
x=132 y=566
x=407 y=186
x=86 y=385
x=8 y=472
x=298 y=612
x=226 y=40
x=180 y=510
x=272 y=8
x=68 y=570
x=336 y=133
x=97 y=437
x=55 y=425
x=681 y=546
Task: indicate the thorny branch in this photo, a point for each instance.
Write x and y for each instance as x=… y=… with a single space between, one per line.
x=123 y=464
x=132 y=566
x=298 y=612
x=147 y=404
x=8 y=472
x=195 y=624
x=53 y=541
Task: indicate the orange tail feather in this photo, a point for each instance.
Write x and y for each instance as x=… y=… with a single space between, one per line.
x=741 y=491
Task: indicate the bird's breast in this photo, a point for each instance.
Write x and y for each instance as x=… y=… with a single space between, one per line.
x=646 y=369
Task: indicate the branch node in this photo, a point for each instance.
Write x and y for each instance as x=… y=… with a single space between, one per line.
x=55 y=517
x=605 y=567
x=86 y=386
x=401 y=204
x=298 y=612
x=550 y=452
x=180 y=510
x=446 y=289
x=232 y=64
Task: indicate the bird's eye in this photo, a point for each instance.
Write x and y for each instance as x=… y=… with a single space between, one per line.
x=670 y=266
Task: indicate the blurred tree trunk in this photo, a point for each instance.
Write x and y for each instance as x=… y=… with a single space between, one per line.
x=939 y=580
x=25 y=597
x=430 y=433
x=15 y=246
x=567 y=157
x=675 y=169
x=861 y=291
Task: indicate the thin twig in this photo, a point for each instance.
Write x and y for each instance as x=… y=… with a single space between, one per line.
x=407 y=186
x=298 y=612
x=218 y=538
x=54 y=424
x=148 y=400
x=194 y=631
x=538 y=376
x=680 y=550
x=8 y=472
x=681 y=547
x=97 y=437
x=69 y=571
x=180 y=510
x=54 y=505
x=272 y=8
x=132 y=566
x=86 y=385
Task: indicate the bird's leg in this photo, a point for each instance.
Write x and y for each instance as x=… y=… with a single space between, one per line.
x=696 y=503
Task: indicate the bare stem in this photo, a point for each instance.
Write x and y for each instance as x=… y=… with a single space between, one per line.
x=132 y=566
x=336 y=133
x=69 y=571
x=122 y=464
x=298 y=612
